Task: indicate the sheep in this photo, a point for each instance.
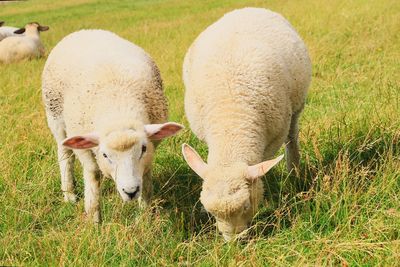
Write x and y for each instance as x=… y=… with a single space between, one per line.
x=6 y=31
x=246 y=78
x=26 y=46
x=105 y=104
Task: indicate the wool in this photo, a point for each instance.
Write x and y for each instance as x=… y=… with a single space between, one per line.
x=122 y=140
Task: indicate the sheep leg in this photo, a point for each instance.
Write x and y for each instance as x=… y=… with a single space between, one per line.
x=292 y=146
x=65 y=159
x=147 y=192
x=91 y=179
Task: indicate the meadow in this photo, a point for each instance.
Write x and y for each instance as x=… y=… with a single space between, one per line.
x=344 y=209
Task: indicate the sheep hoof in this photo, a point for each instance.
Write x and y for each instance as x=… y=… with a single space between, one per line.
x=94 y=217
x=143 y=204
x=69 y=197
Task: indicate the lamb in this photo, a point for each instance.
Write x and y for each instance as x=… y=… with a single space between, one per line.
x=27 y=46
x=246 y=78
x=105 y=104
x=6 y=31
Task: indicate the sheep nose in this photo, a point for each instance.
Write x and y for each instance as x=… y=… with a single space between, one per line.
x=131 y=192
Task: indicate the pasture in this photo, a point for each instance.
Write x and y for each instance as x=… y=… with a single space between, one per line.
x=343 y=210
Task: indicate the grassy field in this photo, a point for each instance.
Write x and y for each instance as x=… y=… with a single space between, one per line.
x=347 y=213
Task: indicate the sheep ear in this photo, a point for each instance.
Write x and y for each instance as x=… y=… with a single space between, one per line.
x=43 y=28
x=160 y=131
x=20 y=31
x=82 y=141
x=1 y=23
x=260 y=169
x=193 y=159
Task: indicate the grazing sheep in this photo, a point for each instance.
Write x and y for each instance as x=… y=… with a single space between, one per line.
x=246 y=79
x=104 y=99
x=26 y=46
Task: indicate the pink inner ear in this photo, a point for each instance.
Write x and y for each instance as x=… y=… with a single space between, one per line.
x=193 y=159
x=80 y=142
x=160 y=131
x=260 y=169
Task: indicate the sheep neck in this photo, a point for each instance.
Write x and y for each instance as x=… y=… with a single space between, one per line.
x=230 y=149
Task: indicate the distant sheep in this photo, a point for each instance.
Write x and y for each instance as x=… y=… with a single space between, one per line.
x=27 y=46
x=106 y=102
x=6 y=31
x=246 y=79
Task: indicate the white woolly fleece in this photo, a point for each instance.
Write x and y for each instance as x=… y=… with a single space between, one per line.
x=245 y=75
x=90 y=87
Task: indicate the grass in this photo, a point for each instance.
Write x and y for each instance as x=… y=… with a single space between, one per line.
x=347 y=214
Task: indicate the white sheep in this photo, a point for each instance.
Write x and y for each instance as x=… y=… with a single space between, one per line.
x=24 y=46
x=6 y=31
x=104 y=99
x=246 y=79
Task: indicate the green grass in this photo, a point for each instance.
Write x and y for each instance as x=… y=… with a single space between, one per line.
x=347 y=213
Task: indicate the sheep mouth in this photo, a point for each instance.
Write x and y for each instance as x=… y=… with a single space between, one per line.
x=130 y=196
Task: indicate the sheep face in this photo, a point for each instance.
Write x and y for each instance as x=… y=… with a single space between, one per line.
x=231 y=194
x=124 y=155
x=231 y=197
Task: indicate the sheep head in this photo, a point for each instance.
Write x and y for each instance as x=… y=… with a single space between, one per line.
x=32 y=28
x=232 y=193
x=124 y=152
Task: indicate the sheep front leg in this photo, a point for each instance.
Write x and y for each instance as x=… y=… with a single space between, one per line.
x=147 y=191
x=292 y=147
x=66 y=162
x=65 y=157
x=92 y=186
x=92 y=195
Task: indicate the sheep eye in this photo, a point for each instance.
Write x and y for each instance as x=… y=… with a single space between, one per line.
x=105 y=155
x=144 y=148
